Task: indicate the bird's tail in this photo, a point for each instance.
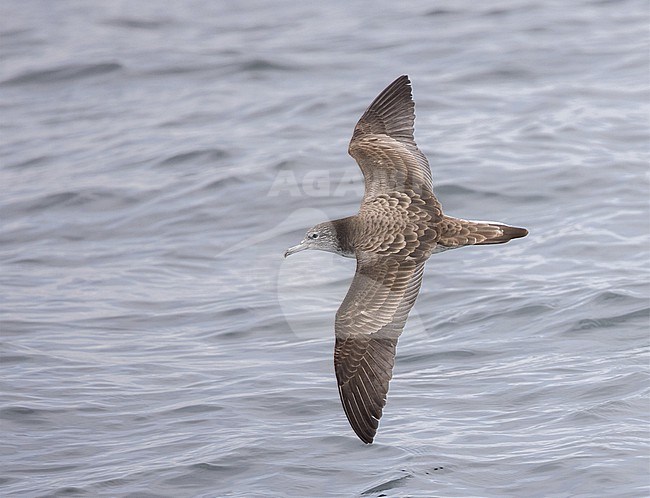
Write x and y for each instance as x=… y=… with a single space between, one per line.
x=456 y=232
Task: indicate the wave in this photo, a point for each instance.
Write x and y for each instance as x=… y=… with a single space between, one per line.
x=203 y=156
x=63 y=73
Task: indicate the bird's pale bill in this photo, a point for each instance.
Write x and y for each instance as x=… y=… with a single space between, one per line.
x=293 y=250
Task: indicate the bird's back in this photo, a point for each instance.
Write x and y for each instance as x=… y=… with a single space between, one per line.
x=399 y=224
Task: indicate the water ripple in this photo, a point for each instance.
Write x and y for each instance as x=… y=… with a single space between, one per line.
x=63 y=73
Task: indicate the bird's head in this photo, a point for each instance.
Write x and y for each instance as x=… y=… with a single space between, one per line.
x=321 y=237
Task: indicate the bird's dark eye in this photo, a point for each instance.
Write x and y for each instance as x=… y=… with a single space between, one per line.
x=314 y=236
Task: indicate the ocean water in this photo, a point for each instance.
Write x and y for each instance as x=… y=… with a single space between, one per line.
x=157 y=158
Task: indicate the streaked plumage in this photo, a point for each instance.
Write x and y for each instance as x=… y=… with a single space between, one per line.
x=399 y=225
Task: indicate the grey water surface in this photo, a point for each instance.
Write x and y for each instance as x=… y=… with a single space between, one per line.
x=159 y=157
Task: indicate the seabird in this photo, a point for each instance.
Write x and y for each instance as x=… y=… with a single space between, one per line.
x=399 y=225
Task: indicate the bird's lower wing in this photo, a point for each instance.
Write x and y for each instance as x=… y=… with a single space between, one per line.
x=368 y=325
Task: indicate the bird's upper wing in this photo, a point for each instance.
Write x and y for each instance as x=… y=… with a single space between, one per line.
x=367 y=326
x=384 y=147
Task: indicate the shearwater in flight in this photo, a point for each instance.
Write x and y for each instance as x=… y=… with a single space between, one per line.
x=399 y=225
